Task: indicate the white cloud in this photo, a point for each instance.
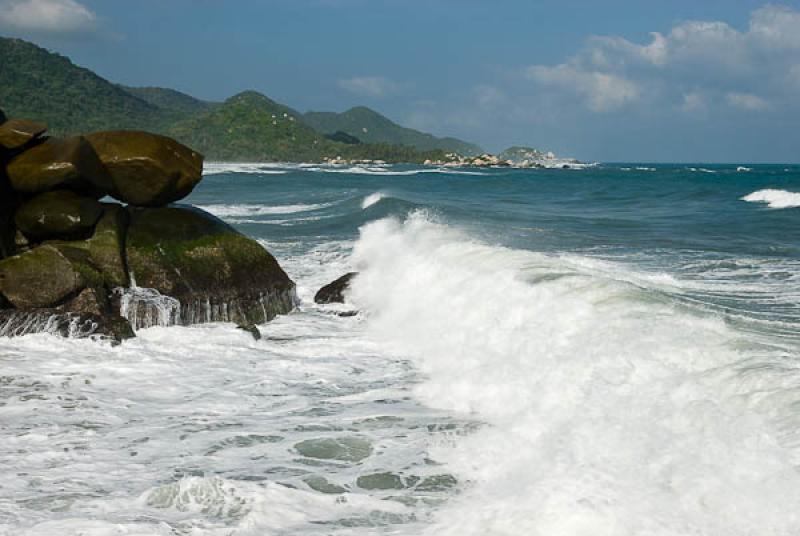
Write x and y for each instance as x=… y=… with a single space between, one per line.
x=746 y=101
x=601 y=92
x=695 y=65
x=369 y=86
x=47 y=16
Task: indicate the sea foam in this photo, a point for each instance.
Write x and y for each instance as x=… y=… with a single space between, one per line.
x=774 y=198
x=613 y=411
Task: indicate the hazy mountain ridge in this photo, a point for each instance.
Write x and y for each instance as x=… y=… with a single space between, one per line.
x=371 y=127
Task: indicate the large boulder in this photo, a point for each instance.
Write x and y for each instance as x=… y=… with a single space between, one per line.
x=58 y=214
x=105 y=248
x=44 y=277
x=334 y=292
x=16 y=133
x=216 y=273
x=147 y=169
x=57 y=163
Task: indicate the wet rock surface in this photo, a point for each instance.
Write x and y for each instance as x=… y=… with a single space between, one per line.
x=72 y=266
x=334 y=292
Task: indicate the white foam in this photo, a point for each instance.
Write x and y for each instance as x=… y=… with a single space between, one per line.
x=218 y=168
x=249 y=211
x=613 y=412
x=774 y=198
x=371 y=199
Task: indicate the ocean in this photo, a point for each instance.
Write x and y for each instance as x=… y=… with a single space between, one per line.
x=604 y=351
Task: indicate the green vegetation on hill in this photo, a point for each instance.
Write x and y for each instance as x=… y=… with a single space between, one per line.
x=44 y=86
x=250 y=126
x=371 y=127
x=173 y=105
x=41 y=85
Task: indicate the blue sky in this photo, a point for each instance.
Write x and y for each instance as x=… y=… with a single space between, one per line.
x=617 y=80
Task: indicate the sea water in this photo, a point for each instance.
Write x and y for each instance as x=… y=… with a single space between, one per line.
x=605 y=351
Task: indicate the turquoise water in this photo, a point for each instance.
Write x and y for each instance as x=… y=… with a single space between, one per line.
x=605 y=351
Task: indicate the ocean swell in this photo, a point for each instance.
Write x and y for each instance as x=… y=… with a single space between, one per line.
x=613 y=409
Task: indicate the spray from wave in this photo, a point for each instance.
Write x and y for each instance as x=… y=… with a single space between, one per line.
x=612 y=409
x=774 y=198
x=371 y=199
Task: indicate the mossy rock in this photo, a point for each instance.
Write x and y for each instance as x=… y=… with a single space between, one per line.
x=43 y=277
x=106 y=246
x=16 y=133
x=147 y=169
x=58 y=214
x=216 y=273
x=59 y=163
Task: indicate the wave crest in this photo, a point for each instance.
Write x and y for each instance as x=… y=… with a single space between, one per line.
x=774 y=198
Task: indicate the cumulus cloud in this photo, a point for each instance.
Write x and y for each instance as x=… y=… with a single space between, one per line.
x=60 y=17
x=369 y=86
x=695 y=65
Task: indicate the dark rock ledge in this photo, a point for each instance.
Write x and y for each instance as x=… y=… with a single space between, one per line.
x=73 y=266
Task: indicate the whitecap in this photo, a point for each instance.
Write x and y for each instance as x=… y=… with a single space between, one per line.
x=774 y=198
x=245 y=211
x=371 y=199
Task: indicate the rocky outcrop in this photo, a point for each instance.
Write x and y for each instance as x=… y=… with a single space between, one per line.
x=147 y=169
x=334 y=292
x=216 y=273
x=74 y=266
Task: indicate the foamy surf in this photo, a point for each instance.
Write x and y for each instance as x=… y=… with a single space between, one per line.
x=245 y=211
x=611 y=412
x=774 y=198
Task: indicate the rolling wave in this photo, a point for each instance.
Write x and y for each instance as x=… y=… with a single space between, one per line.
x=612 y=409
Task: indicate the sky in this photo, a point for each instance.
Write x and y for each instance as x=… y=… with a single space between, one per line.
x=600 y=80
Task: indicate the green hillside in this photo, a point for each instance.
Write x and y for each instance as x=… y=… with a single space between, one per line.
x=41 y=85
x=371 y=127
x=251 y=126
x=44 y=86
x=173 y=105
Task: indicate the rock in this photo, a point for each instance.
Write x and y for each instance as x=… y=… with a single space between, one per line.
x=57 y=163
x=334 y=292
x=42 y=277
x=16 y=133
x=216 y=273
x=147 y=169
x=3 y=117
x=251 y=329
x=75 y=325
x=105 y=247
x=9 y=200
x=58 y=214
